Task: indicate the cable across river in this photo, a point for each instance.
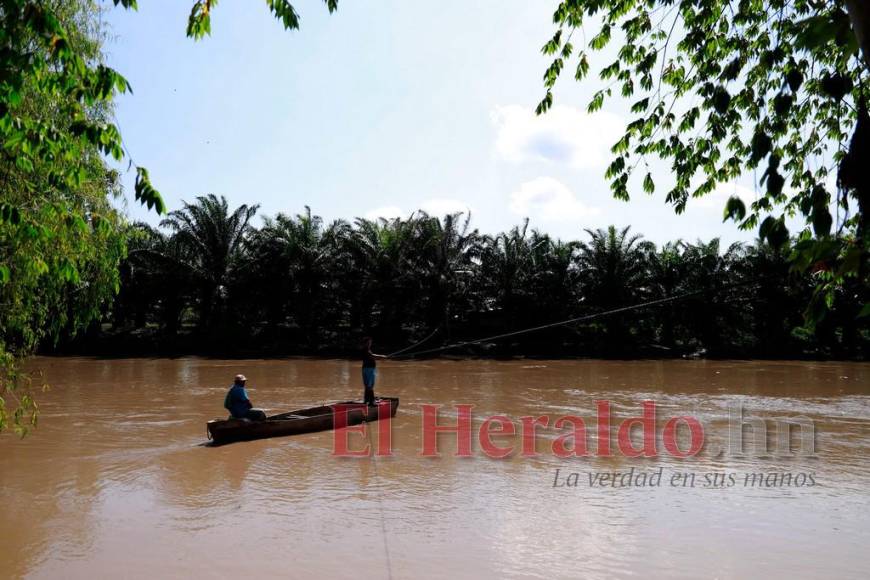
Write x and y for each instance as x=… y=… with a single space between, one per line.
x=583 y=318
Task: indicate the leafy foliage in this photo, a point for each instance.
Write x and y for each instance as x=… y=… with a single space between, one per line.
x=60 y=239
x=300 y=285
x=212 y=238
x=199 y=21
x=724 y=88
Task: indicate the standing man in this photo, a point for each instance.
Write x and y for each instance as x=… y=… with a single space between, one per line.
x=238 y=403
x=369 y=370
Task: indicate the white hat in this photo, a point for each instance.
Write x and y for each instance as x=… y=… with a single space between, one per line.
x=241 y=378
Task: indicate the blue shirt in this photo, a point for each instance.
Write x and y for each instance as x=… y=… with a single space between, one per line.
x=237 y=402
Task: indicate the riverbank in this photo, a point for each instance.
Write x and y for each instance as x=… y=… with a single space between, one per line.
x=572 y=344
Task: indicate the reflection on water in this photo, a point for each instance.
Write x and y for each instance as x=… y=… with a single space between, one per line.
x=115 y=481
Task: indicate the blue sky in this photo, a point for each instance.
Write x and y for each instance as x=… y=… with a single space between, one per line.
x=379 y=109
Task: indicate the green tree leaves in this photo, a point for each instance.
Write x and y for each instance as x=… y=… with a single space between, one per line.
x=60 y=240
x=300 y=285
x=212 y=238
x=761 y=144
x=199 y=21
x=146 y=193
x=284 y=11
x=749 y=82
x=55 y=69
x=735 y=209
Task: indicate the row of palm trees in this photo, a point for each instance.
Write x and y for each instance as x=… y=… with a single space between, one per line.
x=297 y=284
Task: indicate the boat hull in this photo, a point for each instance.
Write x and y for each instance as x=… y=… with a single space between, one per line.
x=297 y=422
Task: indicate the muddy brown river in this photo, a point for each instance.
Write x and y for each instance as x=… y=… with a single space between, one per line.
x=116 y=481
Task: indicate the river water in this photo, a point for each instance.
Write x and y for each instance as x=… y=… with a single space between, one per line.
x=116 y=481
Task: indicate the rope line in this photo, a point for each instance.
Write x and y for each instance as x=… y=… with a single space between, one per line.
x=577 y=319
x=380 y=502
x=415 y=345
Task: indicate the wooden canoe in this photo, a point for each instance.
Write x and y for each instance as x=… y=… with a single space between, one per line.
x=321 y=418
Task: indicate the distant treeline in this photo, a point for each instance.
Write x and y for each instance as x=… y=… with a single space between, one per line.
x=209 y=282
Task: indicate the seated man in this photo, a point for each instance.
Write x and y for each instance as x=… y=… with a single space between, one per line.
x=238 y=403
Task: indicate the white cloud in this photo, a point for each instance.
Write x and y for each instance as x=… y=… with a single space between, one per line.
x=548 y=199
x=435 y=207
x=562 y=135
x=389 y=212
x=441 y=206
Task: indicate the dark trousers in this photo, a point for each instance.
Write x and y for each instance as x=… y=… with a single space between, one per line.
x=256 y=415
x=368 y=376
